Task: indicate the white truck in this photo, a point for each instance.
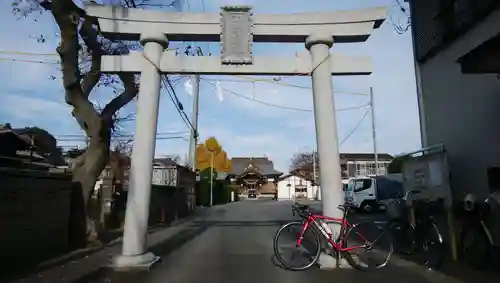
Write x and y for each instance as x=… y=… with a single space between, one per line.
x=370 y=193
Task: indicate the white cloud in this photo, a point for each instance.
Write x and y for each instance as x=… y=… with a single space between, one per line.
x=220 y=92
x=188 y=87
x=33 y=111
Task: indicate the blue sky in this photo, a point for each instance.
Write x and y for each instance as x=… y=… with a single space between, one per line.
x=32 y=97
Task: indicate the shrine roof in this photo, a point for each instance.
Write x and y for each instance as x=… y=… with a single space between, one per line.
x=262 y=165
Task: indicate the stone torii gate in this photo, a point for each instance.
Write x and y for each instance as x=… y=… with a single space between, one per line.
x=236 y=27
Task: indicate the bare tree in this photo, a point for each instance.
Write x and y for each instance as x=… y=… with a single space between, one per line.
x=304 y=161
x=79 y=36
x=123 y=145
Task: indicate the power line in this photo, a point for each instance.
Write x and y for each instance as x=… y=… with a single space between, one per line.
x=356 y=127
x=126 y=135
x=177 y=104
x=30 y=61
x=279 y=82
x=27 y=53
x=400 y=27
x=236 y=81
x=276 y=81
x=403 y=9
x=280 y=106
x=115 y=139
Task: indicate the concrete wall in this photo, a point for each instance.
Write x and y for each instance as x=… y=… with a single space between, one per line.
x=462 y=111
x=35 y=212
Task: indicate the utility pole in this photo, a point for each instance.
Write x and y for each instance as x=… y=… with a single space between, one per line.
x=314 y=173
x=374 y=132
x=314 y=165
x=193 y=141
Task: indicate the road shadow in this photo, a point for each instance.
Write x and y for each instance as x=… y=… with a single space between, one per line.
x=108 y=240
x=161 y=249
x=271 y=223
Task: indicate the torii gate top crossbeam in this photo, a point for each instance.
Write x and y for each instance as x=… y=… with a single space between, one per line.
x=344 y=26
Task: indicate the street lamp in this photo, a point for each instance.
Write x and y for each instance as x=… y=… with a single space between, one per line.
x=211 y=178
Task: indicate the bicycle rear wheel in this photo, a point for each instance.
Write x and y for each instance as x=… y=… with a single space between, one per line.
x=404 y=237
x=433 y=247
x=302 y=257
x=475 y=247
x=367 y=246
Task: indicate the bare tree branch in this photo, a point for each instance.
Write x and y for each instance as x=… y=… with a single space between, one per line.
x=304 y=161
x=122 y=99
x=89 y=36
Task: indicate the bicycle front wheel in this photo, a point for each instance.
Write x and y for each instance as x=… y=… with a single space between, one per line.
x=367 y=246
x=292 y=256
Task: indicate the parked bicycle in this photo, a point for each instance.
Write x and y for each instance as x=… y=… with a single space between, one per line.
x=313 y=234
x=478 y=245
x=421 y=238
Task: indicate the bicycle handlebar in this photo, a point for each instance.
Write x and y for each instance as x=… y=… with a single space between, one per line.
x=301 y=209
x=409 y=193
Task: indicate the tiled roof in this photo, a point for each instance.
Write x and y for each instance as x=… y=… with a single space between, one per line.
x=263 y=164
x=165 y=161
x=365 y=156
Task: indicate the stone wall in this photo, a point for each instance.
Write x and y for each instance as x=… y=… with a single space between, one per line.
x=35 y=211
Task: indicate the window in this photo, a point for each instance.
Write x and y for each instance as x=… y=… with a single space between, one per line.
x=371 y=169
x=300 y=189
x=361 y=169
x=362 y=184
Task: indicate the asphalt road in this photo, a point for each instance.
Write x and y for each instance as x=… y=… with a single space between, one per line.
x=234 y=245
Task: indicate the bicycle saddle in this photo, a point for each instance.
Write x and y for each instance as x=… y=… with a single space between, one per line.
x=344 y=207
x=301 y=206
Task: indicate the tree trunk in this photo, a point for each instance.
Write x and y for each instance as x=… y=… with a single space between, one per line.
x=86 y=172
x=96 y=124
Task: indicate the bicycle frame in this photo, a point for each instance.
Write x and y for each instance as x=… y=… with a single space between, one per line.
x=312 y=220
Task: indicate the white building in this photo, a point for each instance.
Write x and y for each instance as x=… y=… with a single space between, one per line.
x=457 y=49
x=294 y=187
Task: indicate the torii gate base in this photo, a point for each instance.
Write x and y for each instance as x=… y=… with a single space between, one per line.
x=238 y=28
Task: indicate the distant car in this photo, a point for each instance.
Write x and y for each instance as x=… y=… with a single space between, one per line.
x=252 y=195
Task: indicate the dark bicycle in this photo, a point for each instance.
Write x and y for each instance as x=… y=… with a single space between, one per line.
x=478 y=246
x=421 y=238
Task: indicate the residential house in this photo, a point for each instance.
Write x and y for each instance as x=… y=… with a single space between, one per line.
x=363 y=164
x=295 y=186
x=28 y=148
x=354 y=165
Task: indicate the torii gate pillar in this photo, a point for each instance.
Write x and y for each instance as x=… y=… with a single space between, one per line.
x=141 y=168
x=325 y=122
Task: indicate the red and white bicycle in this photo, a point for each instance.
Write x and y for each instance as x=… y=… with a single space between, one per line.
x=313 y=234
